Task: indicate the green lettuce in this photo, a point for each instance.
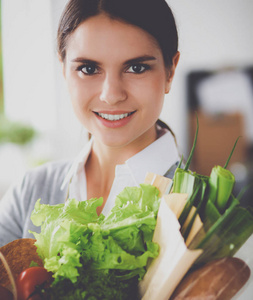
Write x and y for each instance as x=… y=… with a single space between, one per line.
x=74 y=238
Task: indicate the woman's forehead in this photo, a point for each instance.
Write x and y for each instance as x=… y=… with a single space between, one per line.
x=103 y=36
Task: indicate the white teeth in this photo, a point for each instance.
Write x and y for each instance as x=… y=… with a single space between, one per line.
x=113 y=117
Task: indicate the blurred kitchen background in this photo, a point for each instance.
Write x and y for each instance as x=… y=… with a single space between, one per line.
x=214 y=78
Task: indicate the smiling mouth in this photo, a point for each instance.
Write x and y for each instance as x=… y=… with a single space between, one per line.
x=113 y=117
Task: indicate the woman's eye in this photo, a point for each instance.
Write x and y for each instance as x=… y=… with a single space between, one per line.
x=138 y=69
x=88 y=70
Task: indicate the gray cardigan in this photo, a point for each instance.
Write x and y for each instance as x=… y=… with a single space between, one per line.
x=43 y=183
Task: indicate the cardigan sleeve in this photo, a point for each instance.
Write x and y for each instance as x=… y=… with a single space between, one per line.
x=18 y=203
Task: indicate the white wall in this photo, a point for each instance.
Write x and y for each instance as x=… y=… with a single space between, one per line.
x=34 y=91
x=28 y=62
x=212 y=34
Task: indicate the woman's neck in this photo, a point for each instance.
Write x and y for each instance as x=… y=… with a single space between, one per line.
x=100 y=166
x=100 y=173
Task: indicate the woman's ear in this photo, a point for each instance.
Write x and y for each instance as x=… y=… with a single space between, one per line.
x=171 y=72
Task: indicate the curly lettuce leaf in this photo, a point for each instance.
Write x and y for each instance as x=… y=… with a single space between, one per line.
x=62 y=224
x=132 y=220
x=73 y=236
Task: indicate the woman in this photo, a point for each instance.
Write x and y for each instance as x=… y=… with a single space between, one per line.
x=118 y=59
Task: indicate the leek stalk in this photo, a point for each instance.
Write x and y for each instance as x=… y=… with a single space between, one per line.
x=211 y=214
x=203 y=186
x=221 y=185
x=228 y=234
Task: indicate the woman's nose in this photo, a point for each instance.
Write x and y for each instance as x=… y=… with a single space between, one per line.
x=113 y=89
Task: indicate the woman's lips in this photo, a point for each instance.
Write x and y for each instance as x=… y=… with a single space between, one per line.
x=114 y=119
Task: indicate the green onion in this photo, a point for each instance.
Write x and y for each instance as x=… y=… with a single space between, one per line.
x=193 y=147
x=181 y=161
x=227 y=162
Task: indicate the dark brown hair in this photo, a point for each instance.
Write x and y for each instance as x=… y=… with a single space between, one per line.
x=153 y=16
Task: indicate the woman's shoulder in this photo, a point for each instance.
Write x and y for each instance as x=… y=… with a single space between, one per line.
x=43 y=180
x=49 y=172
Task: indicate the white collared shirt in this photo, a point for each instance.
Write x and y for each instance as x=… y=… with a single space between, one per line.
x=157 y=158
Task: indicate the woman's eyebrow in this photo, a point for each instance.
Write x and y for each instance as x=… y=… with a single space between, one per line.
x=139 y=59
x=85 y=61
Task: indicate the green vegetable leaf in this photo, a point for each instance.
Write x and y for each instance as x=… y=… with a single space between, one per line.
x=73 y=237
x=231 y=153
x=228 y=234
x=221 y=185
x=187 y=165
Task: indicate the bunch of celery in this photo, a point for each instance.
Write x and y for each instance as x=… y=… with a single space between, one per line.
x=226 y=225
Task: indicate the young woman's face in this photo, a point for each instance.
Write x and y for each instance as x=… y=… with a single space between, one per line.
x=117 y=80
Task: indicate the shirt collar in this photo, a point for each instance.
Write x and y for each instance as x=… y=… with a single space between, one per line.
x=78 y=163
x=166 y=154
x=164 y=148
